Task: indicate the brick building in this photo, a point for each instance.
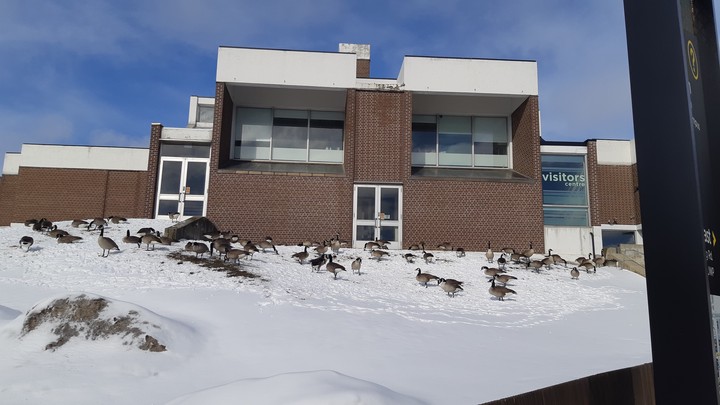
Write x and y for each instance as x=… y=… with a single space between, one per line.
x=299 y=145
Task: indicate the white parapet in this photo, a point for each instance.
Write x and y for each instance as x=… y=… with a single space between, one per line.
x=616 y=152
x=469 y=76
x=271 y=67
x=77 y=157
x=186 y=134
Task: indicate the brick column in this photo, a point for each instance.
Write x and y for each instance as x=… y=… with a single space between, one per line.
x=153 y=167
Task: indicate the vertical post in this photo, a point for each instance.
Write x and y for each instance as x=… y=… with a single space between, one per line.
x=674 y=75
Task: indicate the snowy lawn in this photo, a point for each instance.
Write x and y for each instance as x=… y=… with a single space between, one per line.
x=291 y=335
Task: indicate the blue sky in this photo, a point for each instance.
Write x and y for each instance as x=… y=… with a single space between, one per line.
x=99 y=73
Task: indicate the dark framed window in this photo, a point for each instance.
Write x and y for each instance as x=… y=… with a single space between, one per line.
x=283 y=135
x=460 y=141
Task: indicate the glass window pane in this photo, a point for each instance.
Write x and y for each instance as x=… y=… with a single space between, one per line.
x=454 y=141
x=193 y=208
x=455 y=149
x=290 y=136
x=566 y=216
x=389 y=203
x=424 y=142
x=490 y=141
x=365 y=232
x=254 y=129
x=366 y=203
x=165 y=206
x=205 y=113
x=170 y=177
x=615 y=238
x=389 y=233
x=326 y=136
x=563 y=180
x=195 y=177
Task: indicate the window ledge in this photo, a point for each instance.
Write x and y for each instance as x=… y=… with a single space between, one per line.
x=501 y=175
x=281 y=168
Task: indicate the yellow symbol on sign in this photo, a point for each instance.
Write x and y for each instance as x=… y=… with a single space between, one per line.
x=693 y=60
x=714 y=240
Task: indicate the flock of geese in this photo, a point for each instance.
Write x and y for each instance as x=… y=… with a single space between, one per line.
x=231 y=247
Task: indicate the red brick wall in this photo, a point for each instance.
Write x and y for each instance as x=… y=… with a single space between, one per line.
x=526 y=139
x=8 y=190
x=616 y=195
x=150 y=188
x=65 y=194
x=363 y=68
x=593 y=182
x=383 y=125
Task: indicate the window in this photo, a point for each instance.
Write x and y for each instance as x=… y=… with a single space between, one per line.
x=457 y=141
x=565 y=195
x=289 y=135
x=205 y=113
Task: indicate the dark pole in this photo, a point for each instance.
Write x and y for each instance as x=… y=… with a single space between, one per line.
x=672 y=51
x=592 y=242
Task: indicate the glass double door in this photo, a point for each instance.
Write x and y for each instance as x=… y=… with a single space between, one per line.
x=182 y=187
x=377 y=214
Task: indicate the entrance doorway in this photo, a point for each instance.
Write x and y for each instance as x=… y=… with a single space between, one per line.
x=183 y=187
x=377 y=214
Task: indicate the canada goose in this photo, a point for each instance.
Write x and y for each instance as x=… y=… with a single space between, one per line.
x=335 y=246
x=445 y=246
x=188 y=246
x=504 y=278
x=30 y=222
x=450 y=286
x=516 y=257
x=536 y=265
x=499 y=291
x=235 y=255
x=491 y=271
x=333 y=267
x=267 y=244
x=136 y=239
x=378 y=254
x=371 y=246
x=574 y=273
x=67 y=238
x=317 y=262
x=556 y=258
x=508 y=250
x=26 y=242
x=200 y=248
x=222 y=245
x=106 y=243
x=54 y=232
x=77 y=223
x=459 y=252
x=547 y=262
x=489 y=255
x=423 y=278
x=417 y=246
x=356 y=265
x=173 y=215
x=117 y=220
x=165 y=240
x=321 y=250
x=588 y=265
x=97 y=223
x=250 y=248
x=145 y=231
x=37 y=226
x=598 y=260
x=501 y=261
x=43 y=225
x=381 y=242
x=301 y=256
x=611 y=262
x=428 y=257
x=581 y=259
x=409 y=257
x=221 y=249
x=150 y=239
x=529 y=252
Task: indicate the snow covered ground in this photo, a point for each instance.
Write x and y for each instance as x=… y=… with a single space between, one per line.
x=296 y=336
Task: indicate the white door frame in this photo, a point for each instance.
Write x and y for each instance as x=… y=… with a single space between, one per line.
x=380 y=219
x=181 y=196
